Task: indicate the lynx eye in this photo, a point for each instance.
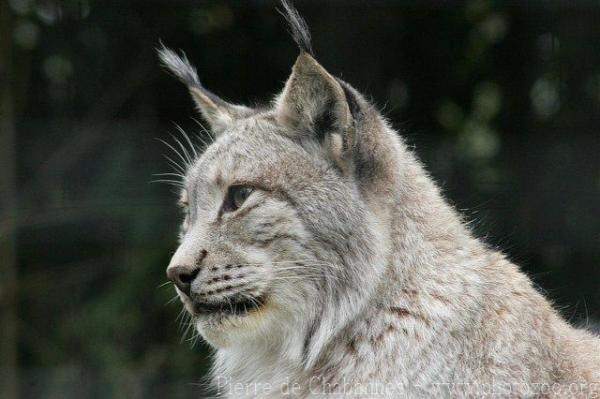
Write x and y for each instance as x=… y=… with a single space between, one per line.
x=236 y=196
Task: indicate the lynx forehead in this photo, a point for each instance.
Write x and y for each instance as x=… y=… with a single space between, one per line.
x=317 y=251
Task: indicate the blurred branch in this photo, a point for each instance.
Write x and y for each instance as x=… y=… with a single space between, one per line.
x=8 y=210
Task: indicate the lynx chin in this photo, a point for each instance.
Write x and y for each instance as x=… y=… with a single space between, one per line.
x=319 y=259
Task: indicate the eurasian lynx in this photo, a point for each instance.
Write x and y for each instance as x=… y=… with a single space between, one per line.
x=320 y=260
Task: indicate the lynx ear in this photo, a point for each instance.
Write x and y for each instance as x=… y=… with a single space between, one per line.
x=314 y=101
x=217 y=112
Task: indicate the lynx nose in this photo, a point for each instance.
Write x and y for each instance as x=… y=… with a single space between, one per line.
x=184 y=268
x=182 y=277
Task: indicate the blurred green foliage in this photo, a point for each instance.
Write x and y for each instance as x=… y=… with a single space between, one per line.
x=500 y=99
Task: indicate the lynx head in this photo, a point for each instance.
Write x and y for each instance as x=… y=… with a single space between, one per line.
x=282 y=240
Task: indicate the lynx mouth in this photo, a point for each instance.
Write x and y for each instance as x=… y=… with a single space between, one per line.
x=230 y=306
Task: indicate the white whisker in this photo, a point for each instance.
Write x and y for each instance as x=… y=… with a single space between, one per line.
x=170 y=174
x=184 y=150
x=187 y=139
x=181 y=157
x=175 y=183
x=176 y=166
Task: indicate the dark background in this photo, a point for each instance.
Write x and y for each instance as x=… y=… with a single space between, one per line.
x=500 y=99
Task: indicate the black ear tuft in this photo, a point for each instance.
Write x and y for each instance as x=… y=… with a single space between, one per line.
x=298 y=27
x=179 y=66
x=217 y=112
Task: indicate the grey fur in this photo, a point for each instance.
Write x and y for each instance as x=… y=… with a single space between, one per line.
x=360 y=271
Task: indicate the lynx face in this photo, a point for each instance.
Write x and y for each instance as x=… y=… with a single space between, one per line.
x=279 y=234
x=270 y=224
